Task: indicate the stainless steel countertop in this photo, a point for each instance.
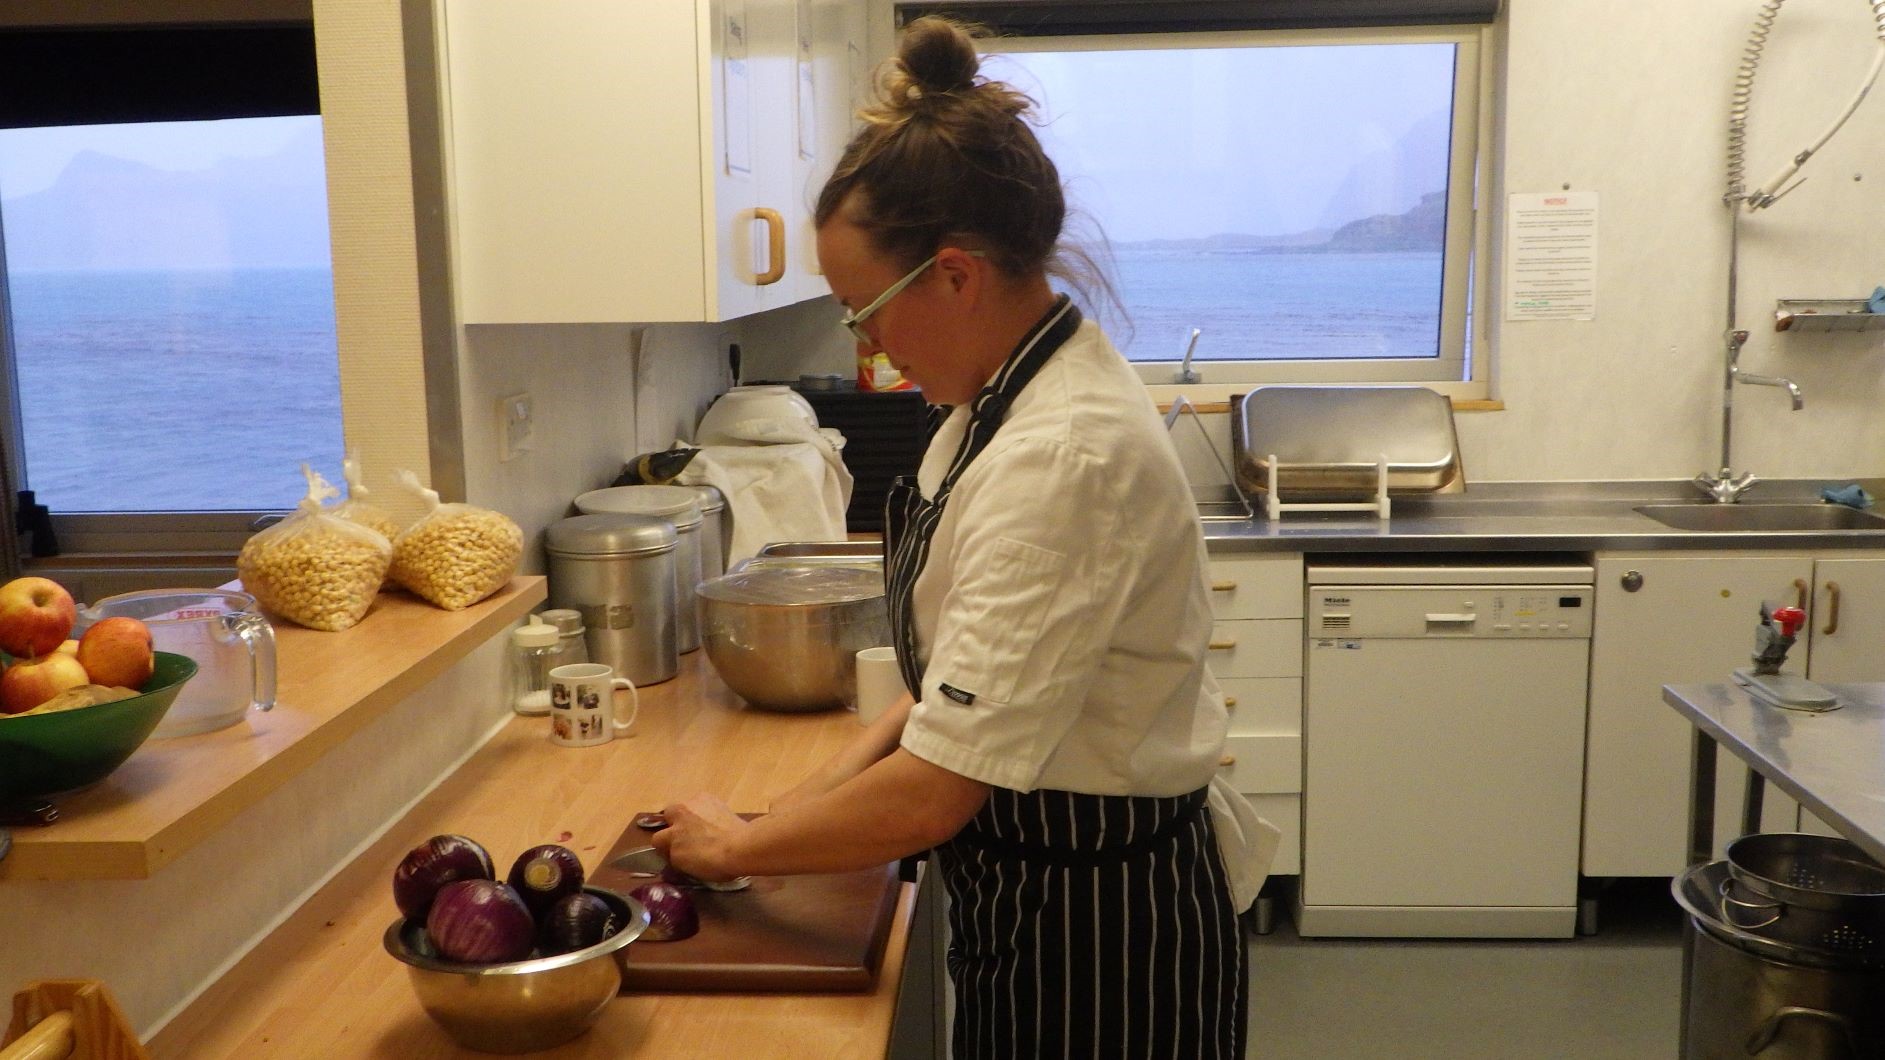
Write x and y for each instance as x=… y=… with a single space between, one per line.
x=1536 y=517
x=1827 y=762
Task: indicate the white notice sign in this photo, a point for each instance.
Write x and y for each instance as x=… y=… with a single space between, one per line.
x=1551 y=256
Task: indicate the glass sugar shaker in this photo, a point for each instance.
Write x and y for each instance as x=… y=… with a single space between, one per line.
x=534 y=653
x=573 y=644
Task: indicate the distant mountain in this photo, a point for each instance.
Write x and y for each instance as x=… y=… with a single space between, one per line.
x=1421 y=228
x=110 y=213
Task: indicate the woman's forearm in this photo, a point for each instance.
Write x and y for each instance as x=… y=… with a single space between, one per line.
x=877 y=740
x=896 y=806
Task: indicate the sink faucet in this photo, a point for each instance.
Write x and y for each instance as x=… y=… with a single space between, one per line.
x=1723 y=486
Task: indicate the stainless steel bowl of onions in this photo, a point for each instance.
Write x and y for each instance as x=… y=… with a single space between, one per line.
x=511 y=966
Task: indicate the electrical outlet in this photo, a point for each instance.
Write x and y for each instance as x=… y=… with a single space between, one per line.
x=514 y=426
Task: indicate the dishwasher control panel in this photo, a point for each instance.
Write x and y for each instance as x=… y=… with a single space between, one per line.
x=1359 y=612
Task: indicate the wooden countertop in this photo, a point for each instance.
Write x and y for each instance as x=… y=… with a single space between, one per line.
x=173 y=793
x=322 y=985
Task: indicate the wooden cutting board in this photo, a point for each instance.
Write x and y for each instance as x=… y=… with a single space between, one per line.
x=787 y=934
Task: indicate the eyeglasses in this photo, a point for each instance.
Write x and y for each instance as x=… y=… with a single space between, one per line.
x=854 y=321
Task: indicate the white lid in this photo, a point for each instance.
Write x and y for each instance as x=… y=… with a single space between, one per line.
x=538 y=634
x=679 y=505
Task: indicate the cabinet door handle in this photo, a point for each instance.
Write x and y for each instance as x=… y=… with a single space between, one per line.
x=1223 y=587
x=1223 y=645
x=1832 y=608
x=775 y=245
x=1230 y=702
x=1801 y=588
x=1227 y=760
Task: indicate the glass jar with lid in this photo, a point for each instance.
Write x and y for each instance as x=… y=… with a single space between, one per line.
x=534 y=653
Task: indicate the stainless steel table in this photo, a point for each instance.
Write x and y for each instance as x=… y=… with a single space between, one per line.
x=1832 y=763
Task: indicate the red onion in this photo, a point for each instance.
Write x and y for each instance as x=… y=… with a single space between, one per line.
x=433 y=864
x=544 y=875
x=575 y=922
x=480 y=922
x=671 y=914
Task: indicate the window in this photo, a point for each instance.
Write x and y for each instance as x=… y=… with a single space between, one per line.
x=1303 y=197
x=169 y=326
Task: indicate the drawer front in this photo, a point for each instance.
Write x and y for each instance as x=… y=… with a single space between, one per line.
x=1261 y=647
x=1285 y=812
x=1257 y=586
x=1263 y=705
x=1263 y=765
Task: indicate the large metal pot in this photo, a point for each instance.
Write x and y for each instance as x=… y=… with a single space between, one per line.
x=787 y=638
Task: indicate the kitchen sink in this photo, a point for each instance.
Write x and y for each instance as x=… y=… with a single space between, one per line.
x=1762 y=517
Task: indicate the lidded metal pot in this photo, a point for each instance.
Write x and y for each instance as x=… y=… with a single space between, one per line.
x=680 y=507
x=716 y=531
x=618 y=572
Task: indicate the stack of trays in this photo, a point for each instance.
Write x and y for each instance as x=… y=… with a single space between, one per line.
x=884 y=438
x=1327 y=440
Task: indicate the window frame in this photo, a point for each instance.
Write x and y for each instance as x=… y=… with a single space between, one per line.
x=1460 y=373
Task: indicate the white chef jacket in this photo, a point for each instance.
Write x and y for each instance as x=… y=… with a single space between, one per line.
x=1062 y=617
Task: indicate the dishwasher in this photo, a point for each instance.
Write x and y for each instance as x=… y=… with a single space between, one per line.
x=1443 y=736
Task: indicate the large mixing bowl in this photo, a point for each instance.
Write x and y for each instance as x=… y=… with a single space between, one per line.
x=523 y=1006
x=41 y=754
x=787 y=639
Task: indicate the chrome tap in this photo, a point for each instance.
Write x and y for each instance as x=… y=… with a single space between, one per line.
x=1723 y=486
x=1799 y=401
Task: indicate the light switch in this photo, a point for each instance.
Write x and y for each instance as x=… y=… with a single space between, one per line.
x=513 y=426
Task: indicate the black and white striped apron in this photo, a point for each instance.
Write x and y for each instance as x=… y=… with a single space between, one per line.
x=1080 y=925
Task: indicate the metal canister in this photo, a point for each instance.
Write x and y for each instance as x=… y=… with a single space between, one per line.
x=716 y=531
x=618 y=572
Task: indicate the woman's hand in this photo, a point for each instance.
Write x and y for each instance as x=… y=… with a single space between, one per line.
x=701 y=838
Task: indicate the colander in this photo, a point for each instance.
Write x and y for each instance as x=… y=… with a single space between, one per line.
x=1810 y=890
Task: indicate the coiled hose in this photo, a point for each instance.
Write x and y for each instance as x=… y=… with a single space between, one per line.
x=1744 y=94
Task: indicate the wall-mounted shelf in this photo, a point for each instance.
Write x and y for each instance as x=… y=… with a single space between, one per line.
x=1825 y=314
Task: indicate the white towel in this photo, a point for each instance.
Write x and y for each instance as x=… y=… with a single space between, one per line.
x=787 y=483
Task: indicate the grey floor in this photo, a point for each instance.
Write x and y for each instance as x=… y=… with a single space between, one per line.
x=1614 y=994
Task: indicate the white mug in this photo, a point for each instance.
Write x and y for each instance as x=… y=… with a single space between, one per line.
x=578 y=714
x=879 y=683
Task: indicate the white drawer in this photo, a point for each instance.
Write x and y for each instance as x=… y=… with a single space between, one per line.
x=1263 y=705
x=1285 y=812
x=1258 y=647
x=1257 y=585
x=1263 y=765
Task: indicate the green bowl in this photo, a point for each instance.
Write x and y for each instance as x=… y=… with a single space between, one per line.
x=41 y=754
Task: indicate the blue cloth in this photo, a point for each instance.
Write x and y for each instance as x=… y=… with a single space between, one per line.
x=1876 y=303
x=1852 y=496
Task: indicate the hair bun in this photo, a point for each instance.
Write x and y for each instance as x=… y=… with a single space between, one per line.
x=937 y=56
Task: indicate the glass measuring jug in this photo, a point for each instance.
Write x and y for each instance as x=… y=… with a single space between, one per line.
x=223 y=631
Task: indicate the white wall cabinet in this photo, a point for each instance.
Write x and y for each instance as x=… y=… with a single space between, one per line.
x=1256 y=656
x=1847 y=639
x=615 y=162
x=1690 y=620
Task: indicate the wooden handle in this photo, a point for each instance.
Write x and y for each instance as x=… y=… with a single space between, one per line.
x=1230 y=702
x=1801 y=588
x=775 y=245
x=1222 y=645
x=50 y=1039
x=1223 y=587
x=1227 y=760
x=1832 y=608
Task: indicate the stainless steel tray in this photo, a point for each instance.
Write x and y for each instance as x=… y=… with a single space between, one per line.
x=1328 y=439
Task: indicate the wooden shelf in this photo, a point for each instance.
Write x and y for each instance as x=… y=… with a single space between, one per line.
x=174 y=793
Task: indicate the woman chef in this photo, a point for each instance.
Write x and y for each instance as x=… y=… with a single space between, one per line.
x=1045 y=574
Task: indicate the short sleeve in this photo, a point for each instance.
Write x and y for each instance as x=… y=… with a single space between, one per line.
x=1036 y=552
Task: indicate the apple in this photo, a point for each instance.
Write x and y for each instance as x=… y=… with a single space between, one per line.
x=36 y=614
x=29 y=682
x=70 y=647
x=117 y=651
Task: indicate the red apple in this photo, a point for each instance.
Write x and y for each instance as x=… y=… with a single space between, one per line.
x=117 y=651
x=36 y=614
x=29 y=682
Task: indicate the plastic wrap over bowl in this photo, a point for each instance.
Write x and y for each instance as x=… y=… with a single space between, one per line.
x=787 y=639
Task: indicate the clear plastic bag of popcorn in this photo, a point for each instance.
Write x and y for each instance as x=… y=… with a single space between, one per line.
x=314 y=568
x=456 y=554
x=357 y=509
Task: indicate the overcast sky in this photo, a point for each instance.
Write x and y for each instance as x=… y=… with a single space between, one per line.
x=1172 y=143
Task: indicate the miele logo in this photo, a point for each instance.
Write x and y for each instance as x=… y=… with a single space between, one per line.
x=1335 y=601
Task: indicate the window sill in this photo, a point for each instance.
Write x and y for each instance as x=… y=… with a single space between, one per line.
x=175 y=793
x=1459 y=405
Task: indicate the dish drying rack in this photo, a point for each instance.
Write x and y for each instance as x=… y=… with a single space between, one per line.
x=1274 y=506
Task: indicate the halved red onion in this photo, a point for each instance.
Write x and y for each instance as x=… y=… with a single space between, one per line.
x=480 y=922
x=431 y=865
x=671 y=913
